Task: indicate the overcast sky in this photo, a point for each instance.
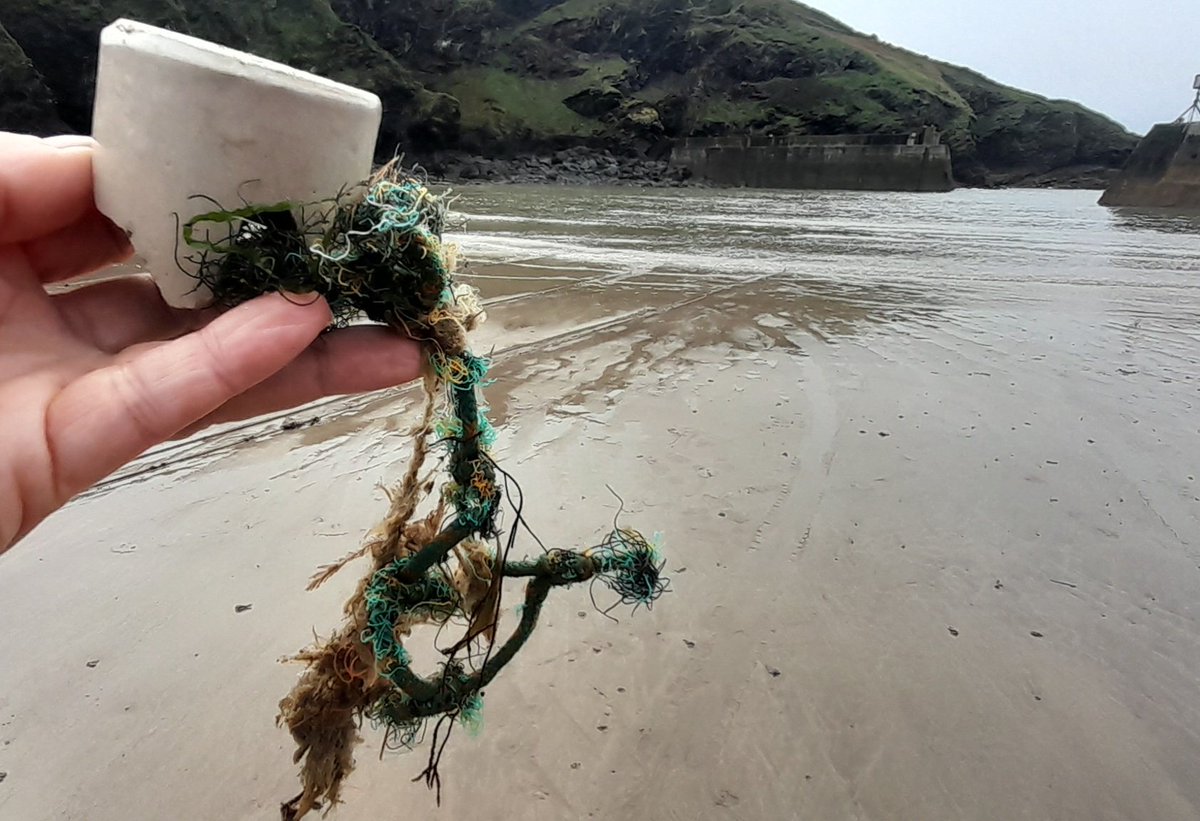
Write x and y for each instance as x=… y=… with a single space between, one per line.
x=1133 y=60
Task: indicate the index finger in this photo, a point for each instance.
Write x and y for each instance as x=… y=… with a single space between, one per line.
x=43 y=187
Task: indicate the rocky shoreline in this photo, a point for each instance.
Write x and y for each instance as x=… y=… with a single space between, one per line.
x=571 y=166
x=583 y=165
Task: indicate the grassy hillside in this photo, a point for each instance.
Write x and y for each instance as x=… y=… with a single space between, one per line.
x=506 y=76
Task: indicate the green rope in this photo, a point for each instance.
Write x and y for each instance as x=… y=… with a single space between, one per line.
x=379 y=253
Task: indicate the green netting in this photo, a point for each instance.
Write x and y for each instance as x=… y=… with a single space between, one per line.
x=377 y=251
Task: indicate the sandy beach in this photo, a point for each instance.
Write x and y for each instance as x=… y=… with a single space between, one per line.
x=931 y=534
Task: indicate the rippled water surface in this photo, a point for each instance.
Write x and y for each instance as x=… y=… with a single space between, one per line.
x=1118 y=289
x=943 y=243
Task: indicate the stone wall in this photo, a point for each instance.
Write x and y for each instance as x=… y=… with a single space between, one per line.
x=875 y=162
x=1163 y=172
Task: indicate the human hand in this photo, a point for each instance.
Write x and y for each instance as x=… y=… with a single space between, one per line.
x=93 y=377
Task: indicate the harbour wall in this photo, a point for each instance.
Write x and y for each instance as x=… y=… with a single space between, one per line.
x=875 y=162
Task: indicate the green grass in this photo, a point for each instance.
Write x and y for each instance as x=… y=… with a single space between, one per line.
x=503 y=103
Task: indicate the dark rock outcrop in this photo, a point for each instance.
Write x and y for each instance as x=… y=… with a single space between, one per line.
x=25 y=99
x=1164 y=171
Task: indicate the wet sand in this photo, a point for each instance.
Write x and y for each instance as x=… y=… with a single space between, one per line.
x=933 y=556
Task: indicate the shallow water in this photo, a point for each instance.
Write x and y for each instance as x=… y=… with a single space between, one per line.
x=1113 y=293
x=982 y=261
x=938 y=242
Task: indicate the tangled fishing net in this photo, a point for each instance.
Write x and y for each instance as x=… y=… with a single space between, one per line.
x=377 y=250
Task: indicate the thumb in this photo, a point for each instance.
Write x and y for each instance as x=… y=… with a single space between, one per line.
x=111 y=415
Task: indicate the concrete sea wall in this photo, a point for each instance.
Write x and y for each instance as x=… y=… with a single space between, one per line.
x=855 y=163
x=1163 y=172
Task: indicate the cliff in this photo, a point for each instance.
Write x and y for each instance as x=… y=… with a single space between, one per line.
x=505 y=77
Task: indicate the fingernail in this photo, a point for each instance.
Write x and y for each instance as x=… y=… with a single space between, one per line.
x=70 y=141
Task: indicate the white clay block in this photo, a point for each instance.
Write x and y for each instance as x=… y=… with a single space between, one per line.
x=176 y=116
